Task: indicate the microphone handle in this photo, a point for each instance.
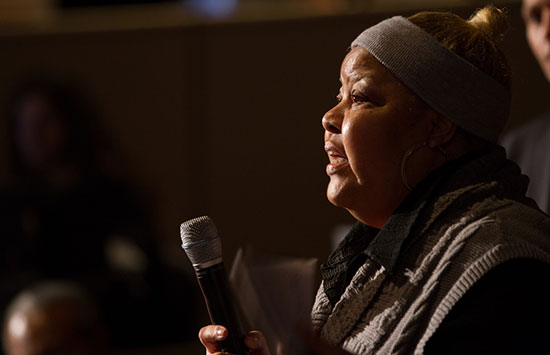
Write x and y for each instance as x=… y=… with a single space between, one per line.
x=221 y=307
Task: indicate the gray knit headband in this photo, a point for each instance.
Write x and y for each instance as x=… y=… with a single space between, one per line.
x=448 y=83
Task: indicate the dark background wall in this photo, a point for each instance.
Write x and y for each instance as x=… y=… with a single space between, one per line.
x=224 y=119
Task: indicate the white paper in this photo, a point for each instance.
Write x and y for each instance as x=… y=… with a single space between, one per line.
x=275 y=294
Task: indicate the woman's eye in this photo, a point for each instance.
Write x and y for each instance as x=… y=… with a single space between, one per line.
x=358 y=98
x=535 y=15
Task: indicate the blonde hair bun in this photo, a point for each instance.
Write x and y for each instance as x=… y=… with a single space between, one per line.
x=490 y=20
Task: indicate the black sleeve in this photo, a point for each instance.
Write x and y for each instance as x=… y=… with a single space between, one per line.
x=506 y=312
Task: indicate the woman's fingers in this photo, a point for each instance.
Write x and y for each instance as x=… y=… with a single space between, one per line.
x=210 y=336
x=255 y=341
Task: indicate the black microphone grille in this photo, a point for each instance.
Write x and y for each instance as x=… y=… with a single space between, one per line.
x=201 y=242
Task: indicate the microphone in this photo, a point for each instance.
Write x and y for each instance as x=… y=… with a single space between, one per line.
x=202 y=244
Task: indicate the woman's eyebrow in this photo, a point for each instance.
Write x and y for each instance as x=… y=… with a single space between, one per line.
x=366 y=75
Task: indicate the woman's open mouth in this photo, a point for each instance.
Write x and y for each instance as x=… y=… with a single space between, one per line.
x=337 y=160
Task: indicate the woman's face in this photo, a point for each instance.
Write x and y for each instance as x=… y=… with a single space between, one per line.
x=536 y=14
x=377 y=119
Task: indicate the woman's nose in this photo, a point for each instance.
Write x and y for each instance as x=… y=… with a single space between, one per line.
x=332 y=120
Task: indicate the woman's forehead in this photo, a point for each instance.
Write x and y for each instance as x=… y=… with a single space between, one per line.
x=361 y=66
x=359 y=63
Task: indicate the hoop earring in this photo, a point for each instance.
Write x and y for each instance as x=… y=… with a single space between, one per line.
x=444 y=152
x=408 y=154
x=404 y=161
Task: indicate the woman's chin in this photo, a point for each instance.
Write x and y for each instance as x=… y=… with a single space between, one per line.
x=339 y=195
x=333 y=200
x=361 y=209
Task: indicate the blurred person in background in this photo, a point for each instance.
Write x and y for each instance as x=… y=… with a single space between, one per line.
x=70 y=211
x=529 y=145
x=54 y=318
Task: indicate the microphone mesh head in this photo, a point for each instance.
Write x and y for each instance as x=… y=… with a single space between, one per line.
x=201 y=241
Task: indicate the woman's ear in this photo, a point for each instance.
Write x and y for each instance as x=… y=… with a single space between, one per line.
x=442 y=130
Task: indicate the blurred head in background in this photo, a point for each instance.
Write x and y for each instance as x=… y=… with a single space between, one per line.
x=53 y=318
x=536 y=14
x=52 y=132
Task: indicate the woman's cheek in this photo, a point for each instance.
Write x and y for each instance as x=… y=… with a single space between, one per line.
x=353 y=137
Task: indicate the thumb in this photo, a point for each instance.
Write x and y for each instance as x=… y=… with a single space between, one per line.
x=210 y=337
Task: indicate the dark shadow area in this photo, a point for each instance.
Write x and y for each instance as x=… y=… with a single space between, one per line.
x=72 y=210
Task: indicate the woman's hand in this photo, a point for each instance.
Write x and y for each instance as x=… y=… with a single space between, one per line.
x=211 y=335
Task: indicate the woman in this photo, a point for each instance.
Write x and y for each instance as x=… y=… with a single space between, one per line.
x=448 y=254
